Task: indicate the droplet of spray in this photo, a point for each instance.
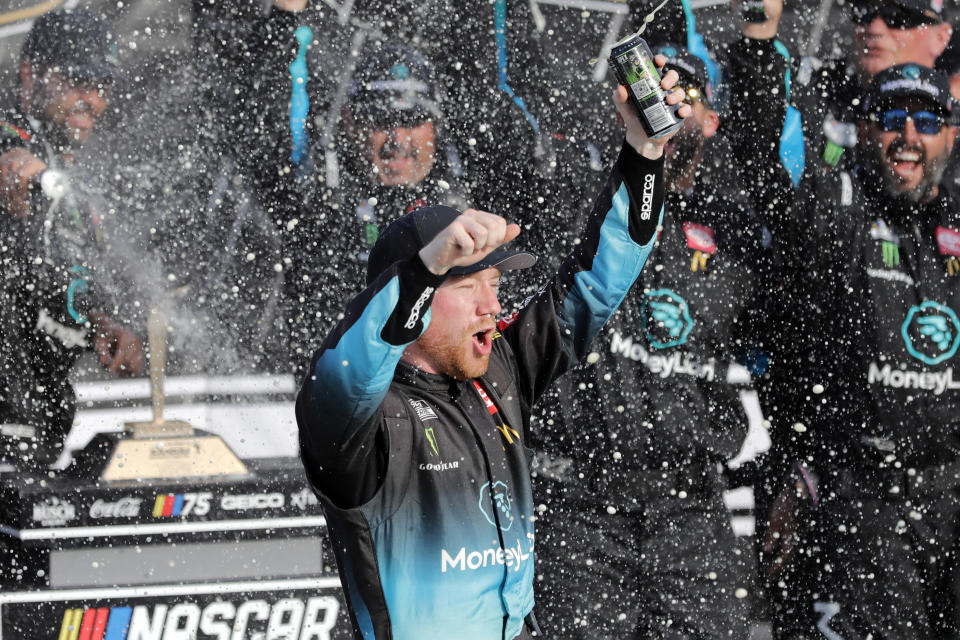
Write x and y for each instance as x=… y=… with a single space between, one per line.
x=647 y=19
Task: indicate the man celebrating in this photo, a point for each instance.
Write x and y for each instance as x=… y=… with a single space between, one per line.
x=858 y=539
x=48 y=296
x=820 y=97
x=415 y=412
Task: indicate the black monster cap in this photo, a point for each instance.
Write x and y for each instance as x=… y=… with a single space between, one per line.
x=910 y=81
x=395 y=82
x=75 y=42
x=405 y=236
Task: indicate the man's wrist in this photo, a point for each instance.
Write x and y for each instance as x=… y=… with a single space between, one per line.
x=644 y=146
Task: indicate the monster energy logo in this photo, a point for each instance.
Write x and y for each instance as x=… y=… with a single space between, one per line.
x=432 y=439
x=891 y=254
x=371 y=232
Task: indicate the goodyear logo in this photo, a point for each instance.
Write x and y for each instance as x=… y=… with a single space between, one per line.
x=287 y=619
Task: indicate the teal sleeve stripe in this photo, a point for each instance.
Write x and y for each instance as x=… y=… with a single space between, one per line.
x=792 y=147
x=598 y=292
x=351 y=379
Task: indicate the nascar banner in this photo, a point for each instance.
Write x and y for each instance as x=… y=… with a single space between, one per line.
x=304 y=609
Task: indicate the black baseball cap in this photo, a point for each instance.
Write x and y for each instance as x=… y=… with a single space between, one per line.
x=690 y=68
x=909 y=81
x=395 y=83
x=76 y=42
x=928 y=7
x=949 y=61
x=405 y=236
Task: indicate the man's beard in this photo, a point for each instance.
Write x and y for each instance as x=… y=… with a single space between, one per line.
x=450 y=358
x=933 y=170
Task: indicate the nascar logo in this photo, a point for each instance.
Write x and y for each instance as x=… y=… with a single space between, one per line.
x=287 y=619
x=175 y=505
x=95 y=624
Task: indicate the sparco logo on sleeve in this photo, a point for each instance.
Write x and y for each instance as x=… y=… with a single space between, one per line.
x=646 y=201
x=418 y=305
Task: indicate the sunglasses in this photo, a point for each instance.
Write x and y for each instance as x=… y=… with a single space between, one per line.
x=925 y=122
x=893 y=15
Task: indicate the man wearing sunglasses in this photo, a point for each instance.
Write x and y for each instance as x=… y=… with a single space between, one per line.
x=391 y=153
x=827 y=93
x=867 y=409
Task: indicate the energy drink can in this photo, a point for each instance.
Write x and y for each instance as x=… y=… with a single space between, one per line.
x=632 y=61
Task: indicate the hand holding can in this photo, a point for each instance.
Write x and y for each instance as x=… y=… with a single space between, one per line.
x=639 y=129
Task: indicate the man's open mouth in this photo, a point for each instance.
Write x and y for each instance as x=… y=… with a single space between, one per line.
x=905 y=162
x=483 y=341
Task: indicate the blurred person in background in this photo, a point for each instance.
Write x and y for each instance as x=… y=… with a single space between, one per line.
x=635 y=539
x=389 y=153
x=481 y=55
x=819 y=99
x=52 y=297
x=864 y=461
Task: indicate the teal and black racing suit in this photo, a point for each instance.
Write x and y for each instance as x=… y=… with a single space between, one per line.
x=424 y=479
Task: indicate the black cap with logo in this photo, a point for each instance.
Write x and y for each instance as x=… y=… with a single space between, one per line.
x=76 y=42
x=405 y=236
x=394 y=83
x=910 y=81
x=928 y=7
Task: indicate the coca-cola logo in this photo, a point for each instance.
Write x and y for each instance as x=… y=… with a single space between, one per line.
x=126 y=507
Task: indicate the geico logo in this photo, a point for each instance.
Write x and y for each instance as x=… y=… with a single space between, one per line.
x=287 y=619
x=463 y=561
x=646 y=201
x=252 y=501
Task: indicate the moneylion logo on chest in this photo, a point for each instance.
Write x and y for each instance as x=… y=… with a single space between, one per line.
x=665 y=318
x=931 y=332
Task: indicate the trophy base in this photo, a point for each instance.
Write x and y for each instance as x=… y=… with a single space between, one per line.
x=133 y=457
